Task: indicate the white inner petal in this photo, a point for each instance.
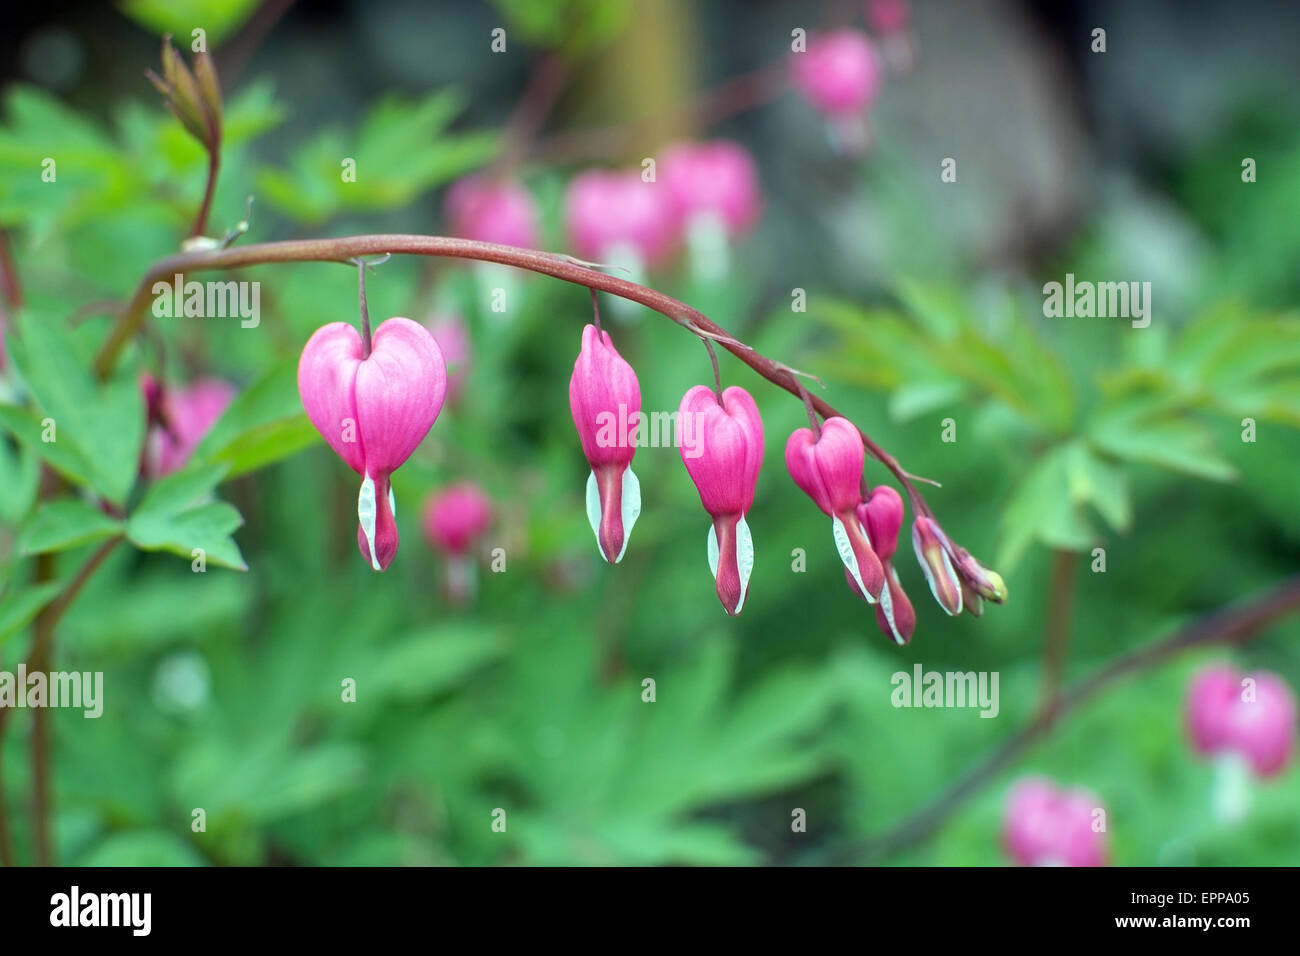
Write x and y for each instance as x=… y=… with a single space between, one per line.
x=366 y=513
x=593 y=506
x=929 y=577
x=744 y=559
x=713 y=551
x=887 y=605
x=848 y=557
x=631 y=507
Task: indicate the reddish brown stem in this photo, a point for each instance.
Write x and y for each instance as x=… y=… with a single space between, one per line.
x=38 y=660
x=1060 y=608
x=205 y=209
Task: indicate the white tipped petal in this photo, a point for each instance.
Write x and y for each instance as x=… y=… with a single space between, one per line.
x=850 y=560
x=744 y=559
x=366 y=512
x=631 y=507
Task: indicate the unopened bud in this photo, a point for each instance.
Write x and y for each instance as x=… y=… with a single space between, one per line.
x=933 y=553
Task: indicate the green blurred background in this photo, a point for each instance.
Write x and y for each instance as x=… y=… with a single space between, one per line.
x=924 y=304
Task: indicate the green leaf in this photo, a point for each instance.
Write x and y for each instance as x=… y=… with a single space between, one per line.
x=179 y=515
x=20 y=474
x=104 y=424
x=143 y=848
x=219 y=18
x=1042 y=509
x=1103 y=484
x=430 y=663
x=1136 y=432
x=27 y=428
x=65 y=524
x=405 y=139
x=18 y=609
x=264 y=424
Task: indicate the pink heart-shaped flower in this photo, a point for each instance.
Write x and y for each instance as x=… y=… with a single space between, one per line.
x=373 y=410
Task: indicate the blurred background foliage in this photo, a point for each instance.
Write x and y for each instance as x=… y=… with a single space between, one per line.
x=924 y=304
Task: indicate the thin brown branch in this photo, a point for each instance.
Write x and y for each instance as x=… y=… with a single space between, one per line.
x=1060 y=608
x=205 y=208
x=38 y=659
x=1229 y=625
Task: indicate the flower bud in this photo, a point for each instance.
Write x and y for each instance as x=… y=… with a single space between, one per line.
x=723 y=461
x=373 y=411
x=603 y=393
x=986 y=583
x=934 y=554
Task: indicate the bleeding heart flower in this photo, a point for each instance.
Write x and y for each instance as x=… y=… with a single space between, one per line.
x=492 y=210
x=839 y=73
x=1250 y=715
x=183 y=416
x=615 y=216
x=1045 y=826
x=455 y=517
x=717 y=179
x=881 y=514
x=723 y=460
x=829 y=470
x=373 y=410
x=603 y=393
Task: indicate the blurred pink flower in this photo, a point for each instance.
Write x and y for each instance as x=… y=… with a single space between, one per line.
x=715 y=178
x=612 y=213
x=888 y=16
x=490 y=210
x=1256 y=721
x=1046 y=826
x=183 y=416
x=839 y=73
x=452 y=335
x=455 y=516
